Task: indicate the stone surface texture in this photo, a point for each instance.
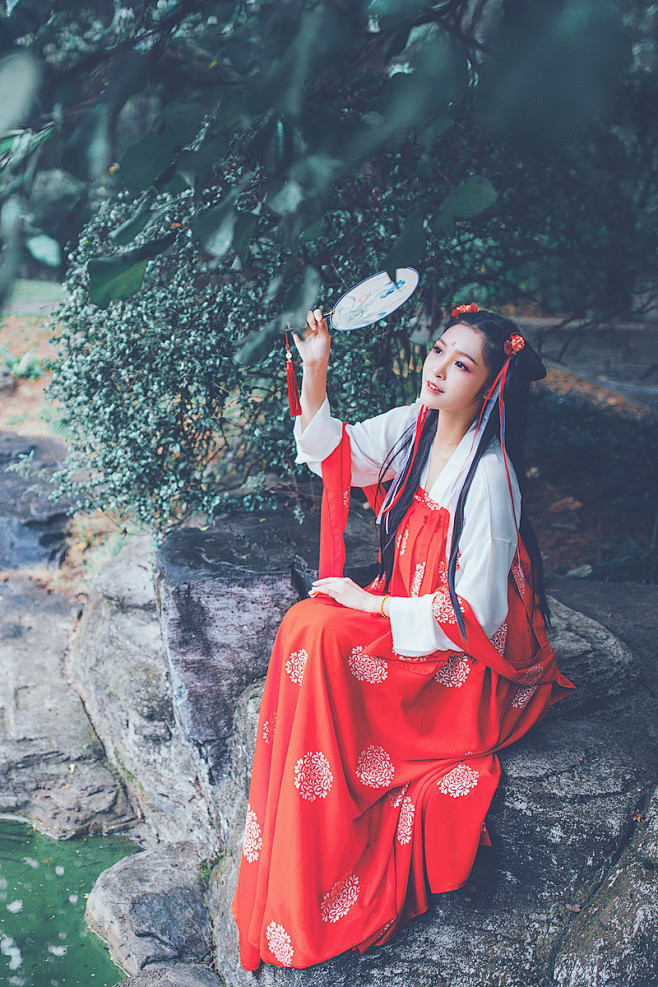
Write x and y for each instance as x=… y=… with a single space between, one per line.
x=32 y=527
x=52 y=766
x=150 y=908
x=615 y=939
x=174 y=975
x=221 y=596
x=118 y=665
x=629 y=610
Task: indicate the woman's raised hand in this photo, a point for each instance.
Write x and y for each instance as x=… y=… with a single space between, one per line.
x=314 y=348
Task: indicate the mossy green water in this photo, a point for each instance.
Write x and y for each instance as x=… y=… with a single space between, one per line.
x=44 y=885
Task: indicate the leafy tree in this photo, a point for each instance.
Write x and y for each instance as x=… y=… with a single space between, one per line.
x=241 y=160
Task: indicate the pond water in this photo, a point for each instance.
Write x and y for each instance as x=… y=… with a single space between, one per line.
x=44 y=886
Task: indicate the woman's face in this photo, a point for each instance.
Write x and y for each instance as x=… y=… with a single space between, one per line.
x=455 y=375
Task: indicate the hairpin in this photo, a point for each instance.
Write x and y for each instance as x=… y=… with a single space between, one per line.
x=514 y=344
x=464 y=308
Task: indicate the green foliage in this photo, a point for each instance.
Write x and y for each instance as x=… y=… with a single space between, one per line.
x=244 y=161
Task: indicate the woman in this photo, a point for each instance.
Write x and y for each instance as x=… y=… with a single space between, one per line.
x=383 y=708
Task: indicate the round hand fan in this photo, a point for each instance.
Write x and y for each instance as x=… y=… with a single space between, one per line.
x=373 y=299
x=365 y=303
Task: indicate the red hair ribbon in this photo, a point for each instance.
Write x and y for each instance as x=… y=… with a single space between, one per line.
x=514 y=344
x=420 y=422
x=464 y=308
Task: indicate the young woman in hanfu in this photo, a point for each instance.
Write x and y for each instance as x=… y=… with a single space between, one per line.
x=375 y=760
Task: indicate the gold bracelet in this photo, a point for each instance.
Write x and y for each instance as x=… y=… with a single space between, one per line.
x=381 y=605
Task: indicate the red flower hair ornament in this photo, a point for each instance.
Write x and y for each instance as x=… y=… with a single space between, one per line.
x=464 y=308
x=514 y=344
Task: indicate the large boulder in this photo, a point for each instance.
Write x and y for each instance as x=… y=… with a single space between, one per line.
x=178 y=715
x=118 y=665
x=150 y=909
x=52 y=765
x=222 y=595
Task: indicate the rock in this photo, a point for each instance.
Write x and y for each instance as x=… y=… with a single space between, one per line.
x=579 y=643
x=175 y=975
x=176 y=717
x=222 y=595
x=615 y=939
x=117 y=663
x=32 y=527
x=560 y=819
x=52 y=766
x=628 y=610
x=150 y=908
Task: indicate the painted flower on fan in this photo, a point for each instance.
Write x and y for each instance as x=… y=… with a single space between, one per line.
x=514 y=344
x=460 y=309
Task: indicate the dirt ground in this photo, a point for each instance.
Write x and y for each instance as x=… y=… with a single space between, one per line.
x=571 y=533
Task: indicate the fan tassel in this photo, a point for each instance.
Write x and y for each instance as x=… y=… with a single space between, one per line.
x=293 y=389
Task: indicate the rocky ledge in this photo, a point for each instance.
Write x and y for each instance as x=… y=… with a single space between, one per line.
x=171 y=672
x=52 y=765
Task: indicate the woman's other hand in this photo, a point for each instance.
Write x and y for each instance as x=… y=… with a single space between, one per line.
x=315 y=347
x=347 y=593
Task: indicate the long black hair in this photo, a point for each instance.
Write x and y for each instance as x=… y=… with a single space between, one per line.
x=524 y=367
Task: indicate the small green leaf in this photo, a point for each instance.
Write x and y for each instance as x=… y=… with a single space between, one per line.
x=315 y=230
x=398 y=41
x=410 y=246
x=133 y=226
x=174 y=185
x=120 y=276
x=214 y=226
x=425 y=166
x=245 y=223
x=10 y=359
x=145 y=161
x=43 y=248
x=273 y=145
x=202 y=162
x=111 y=279
x=469 y=199
x=28 y=365
x=182 y=122
x=300 y=297
x=257 y=345
x=230 y=107
x=19 y=82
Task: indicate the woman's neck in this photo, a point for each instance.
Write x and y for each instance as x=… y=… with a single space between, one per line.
x=451 y=429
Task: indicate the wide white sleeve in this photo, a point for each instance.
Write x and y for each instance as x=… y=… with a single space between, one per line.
x=371 y=440
x=487 y=547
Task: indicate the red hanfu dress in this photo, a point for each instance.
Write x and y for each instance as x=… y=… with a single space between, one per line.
x=374 y=770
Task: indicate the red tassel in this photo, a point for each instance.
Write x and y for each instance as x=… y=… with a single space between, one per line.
x=293 y=389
